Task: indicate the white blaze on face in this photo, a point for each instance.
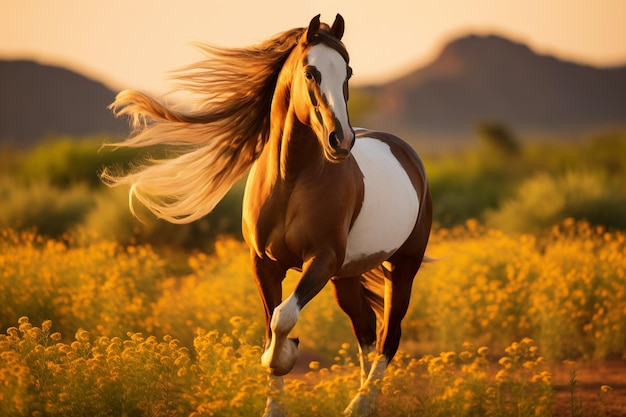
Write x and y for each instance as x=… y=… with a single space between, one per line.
x=334 y=71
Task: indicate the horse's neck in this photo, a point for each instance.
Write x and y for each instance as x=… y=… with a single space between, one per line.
x=292 y=149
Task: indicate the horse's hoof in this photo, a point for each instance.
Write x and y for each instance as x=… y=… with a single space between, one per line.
x=281 y=363
x=360 y=406
x=275 y=410
x=274 y=413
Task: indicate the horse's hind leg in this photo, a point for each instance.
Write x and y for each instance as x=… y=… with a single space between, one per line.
x=351 y=297
x=397 y=292
x=362 y=298
x=397 y=296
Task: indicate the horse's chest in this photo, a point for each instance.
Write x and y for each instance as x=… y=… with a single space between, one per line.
x=390 y=205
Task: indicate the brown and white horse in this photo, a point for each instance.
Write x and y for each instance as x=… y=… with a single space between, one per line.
x=345 y=206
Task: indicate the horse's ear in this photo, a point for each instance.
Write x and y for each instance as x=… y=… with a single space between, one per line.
x=338 y=27
x=311 y=31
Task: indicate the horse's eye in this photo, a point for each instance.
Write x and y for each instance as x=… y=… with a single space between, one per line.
x=349 y=73
x=308 y=75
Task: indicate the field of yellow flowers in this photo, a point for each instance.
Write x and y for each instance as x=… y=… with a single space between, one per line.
x=110 y=330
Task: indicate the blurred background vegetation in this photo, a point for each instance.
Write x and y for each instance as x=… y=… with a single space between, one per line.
x=501 y=181
x=530 y=234
x=54 y=189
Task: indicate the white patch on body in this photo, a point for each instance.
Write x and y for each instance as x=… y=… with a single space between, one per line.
x=390 y=203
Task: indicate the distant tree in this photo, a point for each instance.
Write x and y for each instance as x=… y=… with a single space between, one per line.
x=497 y=138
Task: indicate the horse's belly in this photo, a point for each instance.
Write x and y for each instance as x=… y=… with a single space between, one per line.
x=389 y=210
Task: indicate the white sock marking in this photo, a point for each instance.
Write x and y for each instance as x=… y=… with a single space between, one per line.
x=285 y=316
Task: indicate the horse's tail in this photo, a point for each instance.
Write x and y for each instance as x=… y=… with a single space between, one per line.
x=373 y=283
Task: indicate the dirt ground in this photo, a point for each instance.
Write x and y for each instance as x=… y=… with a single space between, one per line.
x=590 y=377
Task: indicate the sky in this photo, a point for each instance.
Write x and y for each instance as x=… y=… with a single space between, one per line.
x=134 y=44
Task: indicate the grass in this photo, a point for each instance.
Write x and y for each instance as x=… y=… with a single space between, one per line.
x=137 y=375
x=127 y=330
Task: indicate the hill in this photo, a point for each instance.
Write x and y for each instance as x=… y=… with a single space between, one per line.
x=474 y=78
x=40 y=100
x=478 y=78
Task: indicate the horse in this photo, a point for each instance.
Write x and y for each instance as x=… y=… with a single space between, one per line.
x=347 y=206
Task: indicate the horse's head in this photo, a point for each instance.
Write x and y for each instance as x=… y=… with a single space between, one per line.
x=320 y=87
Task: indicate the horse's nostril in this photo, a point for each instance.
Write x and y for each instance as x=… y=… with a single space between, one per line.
x=334 y=140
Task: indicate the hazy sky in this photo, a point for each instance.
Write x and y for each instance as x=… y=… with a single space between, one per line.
x=132 y=44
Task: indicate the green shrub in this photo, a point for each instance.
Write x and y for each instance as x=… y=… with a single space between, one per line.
x=548 y=199
x=62 y=162
x=48 y=209
x=111 y=219
x=55 y=188
x=497 y=139
x=463 y=186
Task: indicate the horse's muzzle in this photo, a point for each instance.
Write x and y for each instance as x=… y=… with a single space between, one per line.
x=341 y=145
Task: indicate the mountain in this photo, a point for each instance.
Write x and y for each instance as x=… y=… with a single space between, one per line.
x=474 y=78
x=40 y=100
x=478 y=78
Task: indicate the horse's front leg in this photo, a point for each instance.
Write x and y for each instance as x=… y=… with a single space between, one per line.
x=281 y=355
x=269 y=275
x=273 y=406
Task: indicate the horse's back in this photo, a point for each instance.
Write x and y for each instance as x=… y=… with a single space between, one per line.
x=391 y=201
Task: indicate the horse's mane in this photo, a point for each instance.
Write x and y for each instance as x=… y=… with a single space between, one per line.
x=218 y=141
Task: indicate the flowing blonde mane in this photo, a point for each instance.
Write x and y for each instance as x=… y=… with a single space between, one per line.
x=216 y=142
